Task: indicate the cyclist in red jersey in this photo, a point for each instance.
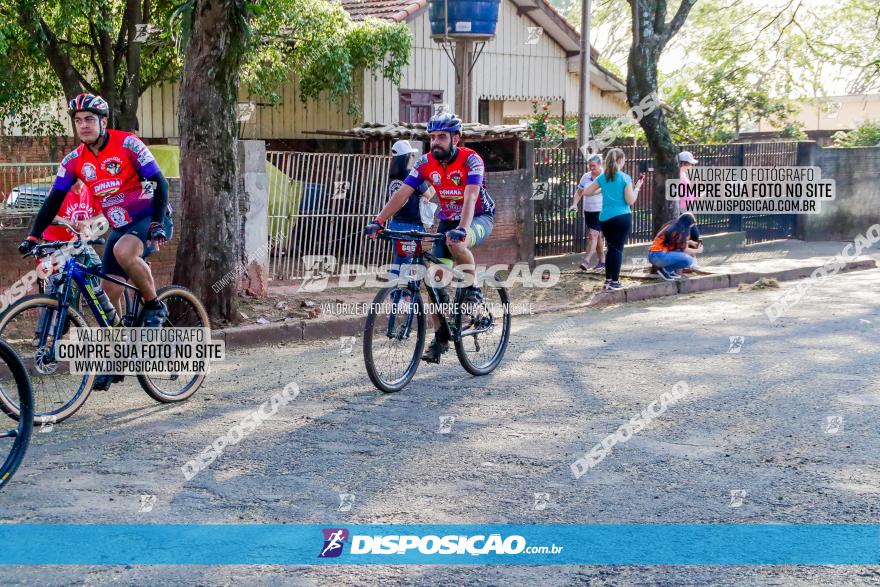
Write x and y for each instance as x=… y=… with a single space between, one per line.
x=113 y=164
x=466 y=209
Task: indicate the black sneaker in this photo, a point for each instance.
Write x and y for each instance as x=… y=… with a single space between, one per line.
x=435 y=349
x=666 y=275
x=613 y=285
x=154 y=317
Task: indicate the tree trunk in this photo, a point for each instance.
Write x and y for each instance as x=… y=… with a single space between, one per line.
x=130 y=89
x=211 y=235
x=651 y=32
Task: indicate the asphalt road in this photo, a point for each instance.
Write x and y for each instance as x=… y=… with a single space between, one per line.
x=790 y=420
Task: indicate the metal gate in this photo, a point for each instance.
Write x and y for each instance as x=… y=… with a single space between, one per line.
x=558 y=232
x=318 y=206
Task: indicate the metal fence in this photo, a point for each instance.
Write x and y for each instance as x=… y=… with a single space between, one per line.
x=557 y=232
x=24 y=186
x=318 y=206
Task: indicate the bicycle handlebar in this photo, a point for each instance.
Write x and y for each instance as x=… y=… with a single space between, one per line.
x=411 y=234
x=42 y=248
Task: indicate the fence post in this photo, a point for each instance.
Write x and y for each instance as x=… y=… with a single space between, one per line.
x=806 y=157
x=255 y=195
x=574 y=164
x=527 y=237
x=735 y=221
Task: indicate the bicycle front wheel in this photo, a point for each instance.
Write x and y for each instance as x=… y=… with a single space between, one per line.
x=394 y=337
x=184 y=311
x=483 y=331
x=14 y=434
x=29 y=326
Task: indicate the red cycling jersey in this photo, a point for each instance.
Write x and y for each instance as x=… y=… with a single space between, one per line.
x=78 y=205
x=449 y=180
x=113 y=176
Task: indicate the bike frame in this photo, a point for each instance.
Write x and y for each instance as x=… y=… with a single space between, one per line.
x=433 y=293
x=75 y=273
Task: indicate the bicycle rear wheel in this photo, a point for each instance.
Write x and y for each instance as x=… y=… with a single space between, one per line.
x=14 y=434
x=184 y=311
x=57 y=393
x=484 y=330
x=392 y=350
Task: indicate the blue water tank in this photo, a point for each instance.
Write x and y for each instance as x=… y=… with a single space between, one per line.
x=466 y=18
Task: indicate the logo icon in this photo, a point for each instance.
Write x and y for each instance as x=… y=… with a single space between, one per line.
x=346 y=501
x=736 y=497
x=147 y=503
x=535 y=34
x=638 y=264
x=435 y=178
x=539 y=190
x=113 y=167
x=736 y=344
x=317 y=272
x=334 y=539
x=48 y=425
x=455 y=177
x=117 y=216
x=340 y=189
x=89 y=172
x=542 y=500
x=833 y=424
x=346 y=344
x=446 y=423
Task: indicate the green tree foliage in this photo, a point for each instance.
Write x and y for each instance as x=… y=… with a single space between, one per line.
x=52 y=48
x=319 y=41
x=717 y=101
x=866 y=134
x=56 y=49
x=736 y=62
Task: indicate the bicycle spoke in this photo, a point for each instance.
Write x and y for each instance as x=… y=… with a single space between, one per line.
x=393 y=338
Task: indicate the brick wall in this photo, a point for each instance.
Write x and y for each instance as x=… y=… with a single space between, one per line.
x=44 y=149
x=513 y=238
x=857 y=198
x=35 y=149
x=14 y=229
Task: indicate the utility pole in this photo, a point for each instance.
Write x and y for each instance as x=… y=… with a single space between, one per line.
x=464 y=90
x=584 y=91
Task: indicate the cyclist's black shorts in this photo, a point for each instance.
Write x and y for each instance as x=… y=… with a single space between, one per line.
x=137 y=228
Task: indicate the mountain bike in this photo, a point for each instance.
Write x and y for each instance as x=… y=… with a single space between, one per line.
x=395 y=330
x=34 y=324
x=14 y=433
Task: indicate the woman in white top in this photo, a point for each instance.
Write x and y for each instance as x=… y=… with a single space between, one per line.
x=592 y=208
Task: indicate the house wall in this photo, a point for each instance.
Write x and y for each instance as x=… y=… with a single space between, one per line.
x=291 y=118
x=508 y=70
x=834 y=113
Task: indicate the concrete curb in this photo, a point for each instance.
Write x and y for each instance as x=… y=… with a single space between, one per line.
x=299 y=330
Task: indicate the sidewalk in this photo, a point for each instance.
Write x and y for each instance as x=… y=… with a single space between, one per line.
x=291 y=316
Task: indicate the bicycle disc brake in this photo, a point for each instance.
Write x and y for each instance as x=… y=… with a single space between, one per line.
x=43 y=363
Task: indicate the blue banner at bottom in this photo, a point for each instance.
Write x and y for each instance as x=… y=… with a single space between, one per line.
x=562 y=544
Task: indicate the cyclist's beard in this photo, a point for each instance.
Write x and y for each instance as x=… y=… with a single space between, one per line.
x=441 y=154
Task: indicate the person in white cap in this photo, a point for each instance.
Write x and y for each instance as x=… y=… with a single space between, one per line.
x=686 y=160
x=409 y=217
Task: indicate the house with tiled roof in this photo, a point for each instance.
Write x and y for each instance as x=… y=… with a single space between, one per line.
x=512 y=70
x=509 y=74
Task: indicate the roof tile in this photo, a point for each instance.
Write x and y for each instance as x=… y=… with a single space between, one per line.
x=396 y=10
